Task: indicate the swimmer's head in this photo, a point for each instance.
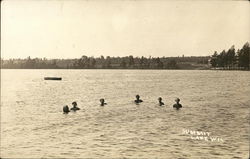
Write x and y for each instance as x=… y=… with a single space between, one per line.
x=102 y=100
x=66 y=109
x=74 y=103
x=137 y=96
x=160 y=99
x=177 y=100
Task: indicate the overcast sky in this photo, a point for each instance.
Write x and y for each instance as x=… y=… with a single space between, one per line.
x=70 y=29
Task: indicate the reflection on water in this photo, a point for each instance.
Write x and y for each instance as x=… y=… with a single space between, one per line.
x=33 y=125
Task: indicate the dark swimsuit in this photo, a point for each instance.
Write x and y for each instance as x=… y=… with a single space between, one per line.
x=161 y=103
x=177 y=106
x=102 y=104
x=75 y=108
x=138 y=101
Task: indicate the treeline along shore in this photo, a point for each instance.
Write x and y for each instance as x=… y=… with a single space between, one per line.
x=230 y=59
x=128 y=62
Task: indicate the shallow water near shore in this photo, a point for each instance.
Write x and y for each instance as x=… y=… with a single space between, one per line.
x=33 y=125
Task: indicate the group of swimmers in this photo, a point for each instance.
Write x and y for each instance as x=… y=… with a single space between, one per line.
x=74 y=108
x=177 y=105
x=66 y=109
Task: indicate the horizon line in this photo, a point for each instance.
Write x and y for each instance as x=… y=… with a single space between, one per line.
x=104 y=57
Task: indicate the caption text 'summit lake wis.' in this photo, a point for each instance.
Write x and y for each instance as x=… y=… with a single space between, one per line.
x=213 y=122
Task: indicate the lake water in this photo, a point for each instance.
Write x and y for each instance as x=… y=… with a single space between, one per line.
x=33 y=125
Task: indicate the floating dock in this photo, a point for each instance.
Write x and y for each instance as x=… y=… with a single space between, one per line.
x=52 y=78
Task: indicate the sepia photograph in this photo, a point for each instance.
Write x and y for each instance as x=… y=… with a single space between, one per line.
x=125 y=79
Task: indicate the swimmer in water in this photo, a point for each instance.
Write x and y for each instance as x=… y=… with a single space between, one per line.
x=74 y=108
x=138 y=100
x=103 y=102
x=177 y=105
x=66 y=109
x=160 y=101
